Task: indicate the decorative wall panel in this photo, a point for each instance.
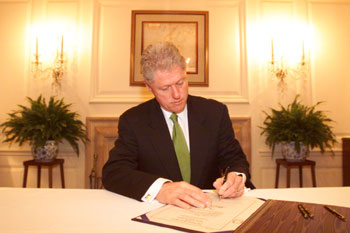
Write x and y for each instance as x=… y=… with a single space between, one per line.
x=111 y=51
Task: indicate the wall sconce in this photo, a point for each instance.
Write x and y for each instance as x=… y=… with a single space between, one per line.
x=56 y=70
x=281 y=70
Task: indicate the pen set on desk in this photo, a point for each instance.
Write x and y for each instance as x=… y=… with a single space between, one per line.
x=336 y=213
x=306 y=213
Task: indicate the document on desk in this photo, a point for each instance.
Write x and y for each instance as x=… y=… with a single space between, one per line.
x=225 y=215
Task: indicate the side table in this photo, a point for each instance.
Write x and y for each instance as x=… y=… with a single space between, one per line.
x=299 y=164
x=39 y=164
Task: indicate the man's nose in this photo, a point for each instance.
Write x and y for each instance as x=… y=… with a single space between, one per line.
x=175 y=92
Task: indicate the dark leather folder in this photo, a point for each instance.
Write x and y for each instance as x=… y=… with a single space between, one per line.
x=284 y=216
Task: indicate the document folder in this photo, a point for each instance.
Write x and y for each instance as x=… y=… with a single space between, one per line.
x=224 y=215
x=270 y=216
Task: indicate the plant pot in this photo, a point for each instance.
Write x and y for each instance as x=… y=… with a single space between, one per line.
x=47 y=152
x=290 y=154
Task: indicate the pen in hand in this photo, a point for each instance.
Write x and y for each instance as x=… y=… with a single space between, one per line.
x=224 y=175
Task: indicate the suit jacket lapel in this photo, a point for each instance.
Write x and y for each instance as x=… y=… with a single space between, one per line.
x=199 y=138
x=162 y=142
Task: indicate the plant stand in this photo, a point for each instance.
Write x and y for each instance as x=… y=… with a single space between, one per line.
x=39 y=164
x=299 y=164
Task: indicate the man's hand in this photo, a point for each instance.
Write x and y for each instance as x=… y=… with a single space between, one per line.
x=233 y=187
x=184 y=195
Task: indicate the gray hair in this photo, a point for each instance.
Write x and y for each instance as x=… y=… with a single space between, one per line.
x=160 y=56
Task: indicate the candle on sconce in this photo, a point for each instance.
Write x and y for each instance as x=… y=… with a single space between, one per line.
x=272 y=52
x=62 y=48
x=36 y=47
x=36 y=50
x=303 y=55
x=282 y=64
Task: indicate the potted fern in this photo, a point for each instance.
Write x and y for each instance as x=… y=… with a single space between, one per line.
x=44 y=125
x=298 y=128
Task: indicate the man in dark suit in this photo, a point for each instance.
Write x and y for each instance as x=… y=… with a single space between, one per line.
x=145 y=164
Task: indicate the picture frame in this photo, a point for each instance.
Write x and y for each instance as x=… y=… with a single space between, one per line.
x=188 y=30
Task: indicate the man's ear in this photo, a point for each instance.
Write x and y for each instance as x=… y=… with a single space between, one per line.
x=148 y=86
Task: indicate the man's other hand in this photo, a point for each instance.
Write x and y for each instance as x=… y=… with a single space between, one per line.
x=184 y=195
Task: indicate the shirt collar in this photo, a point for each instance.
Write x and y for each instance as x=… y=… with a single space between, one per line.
x=182 y=115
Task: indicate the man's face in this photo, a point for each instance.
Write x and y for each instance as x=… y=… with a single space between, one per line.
x=170 y=89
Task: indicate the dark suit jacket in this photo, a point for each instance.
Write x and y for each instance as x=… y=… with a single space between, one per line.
x=144 y=150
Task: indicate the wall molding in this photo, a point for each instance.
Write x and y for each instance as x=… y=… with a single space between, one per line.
x=313 y=153
x=15 y=1
x=329 y=2
x=19 y=153
x=26 y=152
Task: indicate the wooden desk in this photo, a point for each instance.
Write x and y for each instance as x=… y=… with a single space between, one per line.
x=97 y=210
x=299 y=164
x=39 y=164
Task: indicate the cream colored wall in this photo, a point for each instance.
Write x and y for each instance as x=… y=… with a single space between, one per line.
x=97 y=81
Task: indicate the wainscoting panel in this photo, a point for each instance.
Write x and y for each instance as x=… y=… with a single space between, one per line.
x=103 y=131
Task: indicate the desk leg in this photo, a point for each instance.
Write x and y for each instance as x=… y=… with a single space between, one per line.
x=313 y=176
x=301 y=176
x=277 y=174
x=50 y=176
x=25 y=176
x=62 y=175
x=39 y=176
x=288 y=177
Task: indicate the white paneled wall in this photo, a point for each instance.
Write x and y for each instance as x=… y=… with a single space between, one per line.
x=97 y=81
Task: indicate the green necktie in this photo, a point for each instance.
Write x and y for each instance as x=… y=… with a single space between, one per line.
x=181 y=149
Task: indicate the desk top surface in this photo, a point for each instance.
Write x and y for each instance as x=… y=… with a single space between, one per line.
x=83 y=210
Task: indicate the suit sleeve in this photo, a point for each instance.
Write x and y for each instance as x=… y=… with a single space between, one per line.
x=230 y=151
x=120 y=174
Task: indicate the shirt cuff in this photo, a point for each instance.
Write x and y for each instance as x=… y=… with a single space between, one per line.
x=154 y=189
x=244 y=178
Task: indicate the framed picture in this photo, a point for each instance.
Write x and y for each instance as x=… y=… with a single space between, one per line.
x=187 y=30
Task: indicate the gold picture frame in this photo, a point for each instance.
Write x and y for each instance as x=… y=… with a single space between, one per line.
x=188 y=30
